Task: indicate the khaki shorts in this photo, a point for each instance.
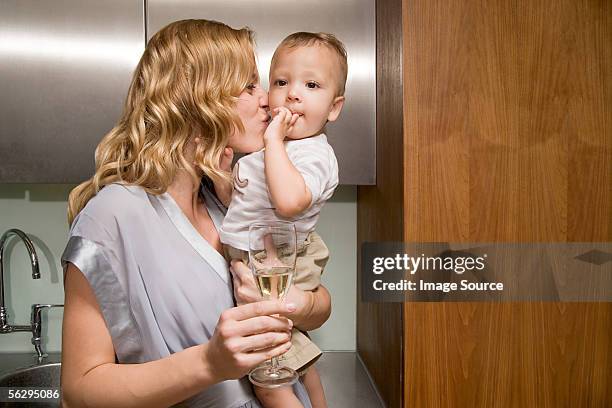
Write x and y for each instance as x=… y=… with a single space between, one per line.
x=311 y=258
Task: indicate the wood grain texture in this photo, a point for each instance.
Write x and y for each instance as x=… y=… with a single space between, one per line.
x=380 y=209
x=508 y=137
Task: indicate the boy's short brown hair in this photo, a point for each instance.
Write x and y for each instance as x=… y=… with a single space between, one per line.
x=305 y=39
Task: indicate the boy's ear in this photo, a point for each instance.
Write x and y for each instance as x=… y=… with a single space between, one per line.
x=337 y=105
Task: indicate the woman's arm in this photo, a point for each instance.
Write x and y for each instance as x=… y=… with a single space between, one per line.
x=91 y=378
x=312 y=307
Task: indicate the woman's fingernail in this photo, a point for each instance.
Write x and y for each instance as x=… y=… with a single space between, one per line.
x=291 y=307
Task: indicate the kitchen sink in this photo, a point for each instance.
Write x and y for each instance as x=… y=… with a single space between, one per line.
x=42 y=376
x=45 y=376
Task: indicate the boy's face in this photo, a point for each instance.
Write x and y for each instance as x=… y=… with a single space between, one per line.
x=305 y=80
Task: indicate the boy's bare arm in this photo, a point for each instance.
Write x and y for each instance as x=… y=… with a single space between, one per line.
x=288 y=191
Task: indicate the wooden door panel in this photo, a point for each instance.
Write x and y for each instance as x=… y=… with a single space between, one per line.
x=507 y=139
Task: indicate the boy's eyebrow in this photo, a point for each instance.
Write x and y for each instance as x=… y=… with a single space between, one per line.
x=316 y=75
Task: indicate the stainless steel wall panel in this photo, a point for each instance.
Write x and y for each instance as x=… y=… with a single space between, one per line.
x=65 y=67
x=353 y=136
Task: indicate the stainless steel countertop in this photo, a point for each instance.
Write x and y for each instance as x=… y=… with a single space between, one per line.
x=346 y=382
x=344 y=378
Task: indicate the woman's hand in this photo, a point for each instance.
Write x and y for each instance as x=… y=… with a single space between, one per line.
x=246 y=336
x=312 y=308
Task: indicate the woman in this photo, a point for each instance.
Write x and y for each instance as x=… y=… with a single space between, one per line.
x=145 y=281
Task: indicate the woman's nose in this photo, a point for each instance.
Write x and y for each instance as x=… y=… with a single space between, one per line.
x=263 y=99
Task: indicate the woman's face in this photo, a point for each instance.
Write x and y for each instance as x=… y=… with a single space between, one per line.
x=252 y=108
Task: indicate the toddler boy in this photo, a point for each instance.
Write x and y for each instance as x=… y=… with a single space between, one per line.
x=292 y=178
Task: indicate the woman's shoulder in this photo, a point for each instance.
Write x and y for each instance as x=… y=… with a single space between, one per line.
x=113 y=202
x=119 y=191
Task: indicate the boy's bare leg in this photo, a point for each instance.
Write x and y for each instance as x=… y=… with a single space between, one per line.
x=312 y=383
x=282 y=397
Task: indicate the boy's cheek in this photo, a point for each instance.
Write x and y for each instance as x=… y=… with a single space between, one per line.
x=275 y=99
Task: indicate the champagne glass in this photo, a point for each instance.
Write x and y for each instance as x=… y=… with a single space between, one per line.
x=272 y=248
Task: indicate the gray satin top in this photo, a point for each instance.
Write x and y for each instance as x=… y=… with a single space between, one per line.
x=160 y=285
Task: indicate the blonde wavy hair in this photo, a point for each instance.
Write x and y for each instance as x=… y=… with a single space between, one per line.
x=185 y=85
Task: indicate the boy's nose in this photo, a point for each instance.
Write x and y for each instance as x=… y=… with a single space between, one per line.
x=293 y=96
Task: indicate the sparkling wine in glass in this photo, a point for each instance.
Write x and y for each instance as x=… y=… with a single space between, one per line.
x=272 y=248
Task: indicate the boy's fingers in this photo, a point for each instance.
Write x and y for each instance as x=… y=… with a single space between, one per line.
x=276 y=118
x=294 y=118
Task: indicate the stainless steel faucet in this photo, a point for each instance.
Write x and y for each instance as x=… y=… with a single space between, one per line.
x=5 y=327
x=36 y=323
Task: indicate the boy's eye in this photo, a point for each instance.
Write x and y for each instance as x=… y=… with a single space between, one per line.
x=312 y=85
x=280 y=82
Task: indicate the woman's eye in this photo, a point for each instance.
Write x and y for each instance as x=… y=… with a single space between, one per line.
x=251 y=87
x=280 y=82
x=312 y=85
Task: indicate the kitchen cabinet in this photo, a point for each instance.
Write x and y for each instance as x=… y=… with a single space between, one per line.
x=65 y=67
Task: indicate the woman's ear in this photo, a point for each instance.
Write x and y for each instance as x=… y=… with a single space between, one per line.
x=337 y=105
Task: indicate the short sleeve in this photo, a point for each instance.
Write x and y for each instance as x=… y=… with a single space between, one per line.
x=93 y=251
x=318 y=170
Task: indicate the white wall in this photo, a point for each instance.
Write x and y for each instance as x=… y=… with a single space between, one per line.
x=40 y=211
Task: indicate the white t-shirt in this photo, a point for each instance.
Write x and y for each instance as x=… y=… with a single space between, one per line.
x=313 y=157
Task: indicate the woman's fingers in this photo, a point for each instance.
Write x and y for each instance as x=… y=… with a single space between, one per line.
x=263 y=341
x=263 y=308
x=255 y=358
x=262 y=324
